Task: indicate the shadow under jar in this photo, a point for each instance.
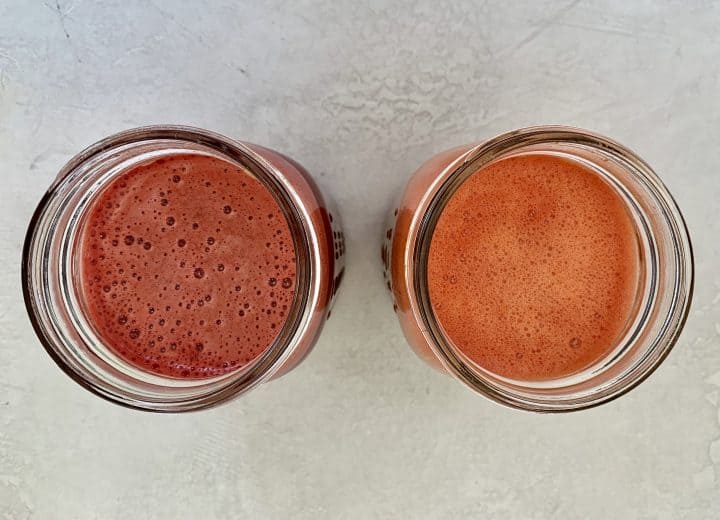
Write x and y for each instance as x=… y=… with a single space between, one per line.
x=548 y=268
x=170 y=268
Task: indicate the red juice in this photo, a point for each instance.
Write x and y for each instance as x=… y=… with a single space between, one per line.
x=188 y=266
x=534 y=267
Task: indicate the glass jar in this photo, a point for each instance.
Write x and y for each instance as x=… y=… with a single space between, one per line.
x=666 y=268
x=50 y=268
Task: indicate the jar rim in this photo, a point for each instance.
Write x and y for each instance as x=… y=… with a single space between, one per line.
x=451 y=177
x=202 y=393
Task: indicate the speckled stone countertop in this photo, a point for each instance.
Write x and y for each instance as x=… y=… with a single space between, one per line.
x=361 y=93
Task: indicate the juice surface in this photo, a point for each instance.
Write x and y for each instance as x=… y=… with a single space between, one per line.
x=534 y=267
x=187 y=266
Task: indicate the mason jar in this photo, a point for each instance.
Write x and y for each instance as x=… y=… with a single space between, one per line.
x=52 y=257
x=663 y=295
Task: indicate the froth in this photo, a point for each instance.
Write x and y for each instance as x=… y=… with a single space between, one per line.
x=533 y=267
x=176 y=258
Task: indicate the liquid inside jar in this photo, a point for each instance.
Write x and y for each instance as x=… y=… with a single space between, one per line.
x=534 y=267
x=187 y=266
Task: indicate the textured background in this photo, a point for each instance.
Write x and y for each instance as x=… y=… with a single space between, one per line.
x=361 y=93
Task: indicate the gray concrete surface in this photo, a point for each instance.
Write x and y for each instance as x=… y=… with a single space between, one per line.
x=361 y=93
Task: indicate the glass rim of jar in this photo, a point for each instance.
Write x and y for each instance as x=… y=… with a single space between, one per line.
x=573 y=392
x=51 y=296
